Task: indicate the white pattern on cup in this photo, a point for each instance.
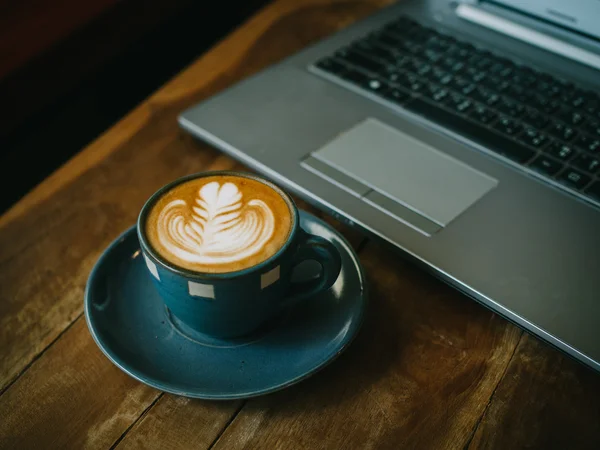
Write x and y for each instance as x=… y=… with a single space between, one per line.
x=152 y=268
x=201 y=290
x=270 y=277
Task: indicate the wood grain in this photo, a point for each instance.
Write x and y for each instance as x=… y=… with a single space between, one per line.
x=43 y=277
x=546 y=401
x=418 y=376
x=71 y=398
x=50 y=240
x=180 y=423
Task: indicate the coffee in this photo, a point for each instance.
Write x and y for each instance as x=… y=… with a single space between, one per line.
x=218 y=224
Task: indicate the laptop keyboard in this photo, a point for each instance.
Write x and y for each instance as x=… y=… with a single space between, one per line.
x=540 y=122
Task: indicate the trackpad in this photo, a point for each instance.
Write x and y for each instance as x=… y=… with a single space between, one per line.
x=403 y=169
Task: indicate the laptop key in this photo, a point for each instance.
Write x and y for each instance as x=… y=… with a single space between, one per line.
x=412 y=47
x=544 y=104
x=360 y=61
x=507 y=72
x=586 y=163
x=510 y=108
x=436 y=93
x=392 y=76
x=545 y=165
x=476 y=76
x=535 y=118
x=560 y=151
x=458 y=103
x=412 y=83
x=373 y=49
x=438 y=75
x=574 y=178
x=464 y=106
x=484 y=95
x=484 y=136
x=578 y=101
x=355 y=76
x=592 y=127
x=524 y=77
x=483 y=114
x=403 y=61
x=550 y=107
x=533 y=137
x=562 y=131
x=592 y=107
x=523 y=97
x=332 y=66
x=391 y=40
x=588 y=144
x=458 y=83
x=508 y=126
x=433 y=55
x=423 y=69
x=395 y=95
x=571 y=117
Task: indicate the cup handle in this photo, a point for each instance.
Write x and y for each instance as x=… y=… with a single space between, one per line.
x=315 y=248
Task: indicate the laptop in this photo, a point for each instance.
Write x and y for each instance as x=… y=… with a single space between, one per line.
x=465 y=134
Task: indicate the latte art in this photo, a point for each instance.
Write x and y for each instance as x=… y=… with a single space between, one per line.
x=218 y=223
x=218 y=229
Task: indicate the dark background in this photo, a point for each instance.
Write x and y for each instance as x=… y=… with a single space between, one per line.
x=69 y=69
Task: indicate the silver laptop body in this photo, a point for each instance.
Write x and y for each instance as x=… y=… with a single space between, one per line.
x=518 y=243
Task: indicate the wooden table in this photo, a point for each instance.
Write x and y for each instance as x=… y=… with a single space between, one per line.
x=429 y=369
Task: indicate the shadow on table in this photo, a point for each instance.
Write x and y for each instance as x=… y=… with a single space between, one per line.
x=376 y=348
x=423 y=347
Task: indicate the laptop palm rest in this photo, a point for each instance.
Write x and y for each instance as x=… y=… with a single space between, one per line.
x=400 y=175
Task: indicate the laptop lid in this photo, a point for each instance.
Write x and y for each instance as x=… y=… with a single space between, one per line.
x=538 y=22
x=580 y=16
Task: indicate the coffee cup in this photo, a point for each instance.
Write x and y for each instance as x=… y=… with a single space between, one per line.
x=221 y=247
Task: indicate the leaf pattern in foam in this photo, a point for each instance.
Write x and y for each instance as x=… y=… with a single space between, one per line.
x=218 y=229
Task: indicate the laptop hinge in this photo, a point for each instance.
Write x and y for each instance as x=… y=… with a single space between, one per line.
x=481 y=17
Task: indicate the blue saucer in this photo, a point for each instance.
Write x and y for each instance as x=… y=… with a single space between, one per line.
x=131 y=325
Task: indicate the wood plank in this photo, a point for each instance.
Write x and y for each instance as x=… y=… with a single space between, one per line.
x=546 y=400
x=71 y=398
x=43 y=269
x=180 y=423
x=50 y=240
x=418 y=376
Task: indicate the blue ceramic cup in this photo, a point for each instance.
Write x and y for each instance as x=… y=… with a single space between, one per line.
x=232 y=304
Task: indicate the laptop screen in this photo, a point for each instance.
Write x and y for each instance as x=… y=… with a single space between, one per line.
x=582 y=16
